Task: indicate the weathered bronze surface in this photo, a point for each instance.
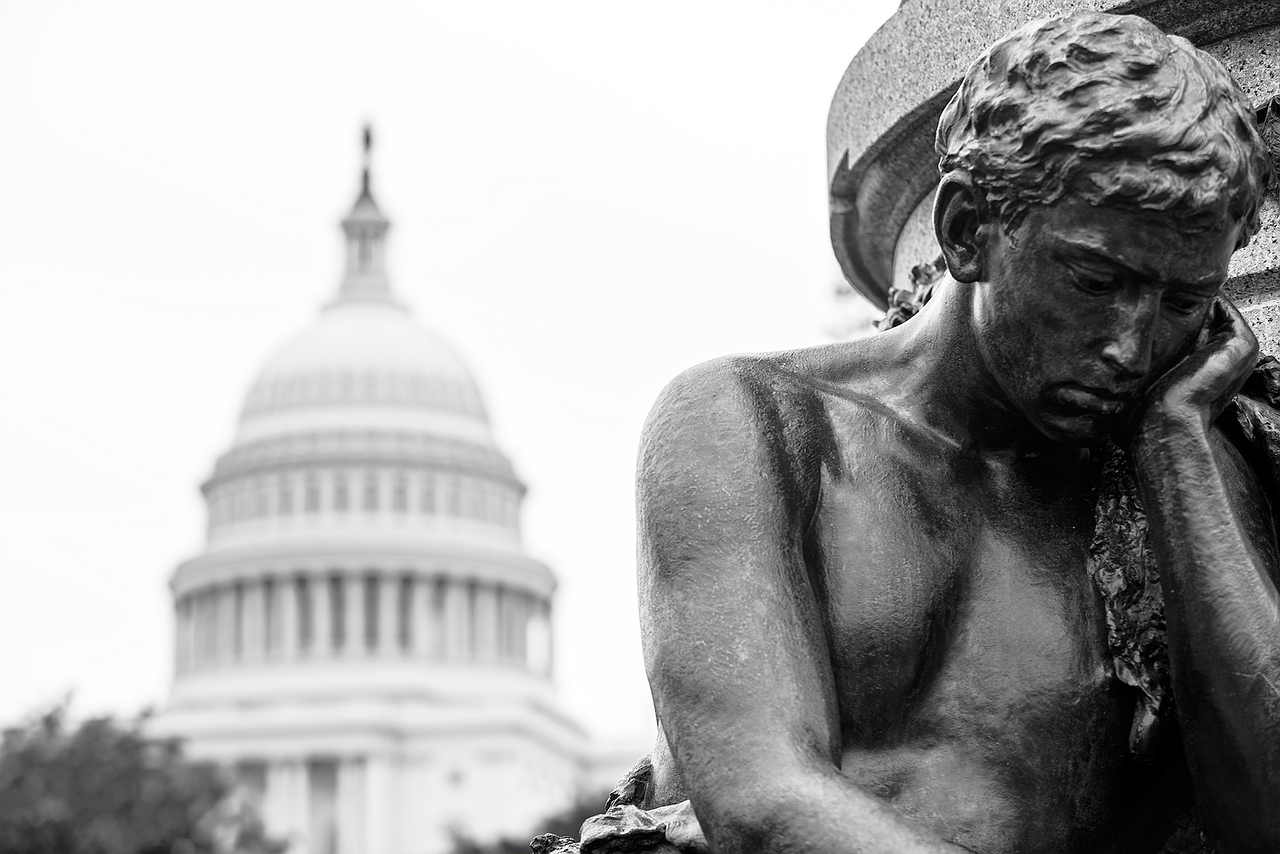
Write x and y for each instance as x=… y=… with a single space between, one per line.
x=1002 y=578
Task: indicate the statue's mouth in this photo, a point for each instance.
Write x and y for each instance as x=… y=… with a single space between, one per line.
x=1093 y=400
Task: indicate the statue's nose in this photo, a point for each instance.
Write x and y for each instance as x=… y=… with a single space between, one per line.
x=1128 y=346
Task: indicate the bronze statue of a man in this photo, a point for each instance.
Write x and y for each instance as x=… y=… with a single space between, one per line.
x=1004 y=578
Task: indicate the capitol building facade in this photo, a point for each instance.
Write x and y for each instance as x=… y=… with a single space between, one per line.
x=363 y=640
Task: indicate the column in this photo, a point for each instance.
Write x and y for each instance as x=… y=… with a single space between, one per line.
x=284 y=805
x=351 y=806
x=192 y=639
x=299 y=804
x=199 y=627
x=457 y=620
x=237 y=621
x=522 y=603
x=226 y=622
x=502 y=643
x=380 y=780
x=514 y=600
x=388 y=614
x=354 y=642
x=322 y=806
x=509 y=628
x=180 y=646
x=439 y=617
x=189 y=634
x=551 y=636
x=321 y=616
x=539 y=655
x=253 y=617
x=287 y=603
x=212 y=609
x=275 y=803
x=270 y=617
x=485 y=627
x=213 y=605
x=422 y=628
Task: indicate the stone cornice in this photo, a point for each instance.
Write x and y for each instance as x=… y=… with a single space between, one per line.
x=362 y=449
x=407 y=715
x=428 y=560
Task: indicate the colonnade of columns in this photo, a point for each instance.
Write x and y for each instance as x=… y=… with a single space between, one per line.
x=359 y=614
x=424 y=496
x=317 y=805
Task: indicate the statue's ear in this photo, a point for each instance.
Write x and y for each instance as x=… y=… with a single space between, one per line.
x=959 y=212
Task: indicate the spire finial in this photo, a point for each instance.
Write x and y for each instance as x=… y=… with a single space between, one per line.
x=368 y=156
x=366 y=229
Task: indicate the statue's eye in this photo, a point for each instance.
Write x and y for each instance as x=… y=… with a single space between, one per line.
x=1094 y=284
x=1184 y=304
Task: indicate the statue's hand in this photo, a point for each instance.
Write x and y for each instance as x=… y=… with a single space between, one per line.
x=1204 y=382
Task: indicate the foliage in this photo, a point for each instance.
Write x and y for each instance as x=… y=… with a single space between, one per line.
x=566 y=822
x=105 y=788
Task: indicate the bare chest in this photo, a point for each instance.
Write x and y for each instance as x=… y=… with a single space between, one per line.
x=929 y=575
x=969 y=650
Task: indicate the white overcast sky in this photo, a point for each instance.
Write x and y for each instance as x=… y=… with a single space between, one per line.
x=585 y=199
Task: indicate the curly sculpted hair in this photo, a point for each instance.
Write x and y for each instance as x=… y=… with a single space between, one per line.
x=1111 y=109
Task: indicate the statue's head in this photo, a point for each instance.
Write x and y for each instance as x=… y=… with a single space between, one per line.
x=1097 y=175
x=1112 y=110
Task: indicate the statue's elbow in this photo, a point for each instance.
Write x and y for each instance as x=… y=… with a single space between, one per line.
x=763 y=817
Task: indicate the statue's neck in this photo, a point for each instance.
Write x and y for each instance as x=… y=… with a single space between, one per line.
x=953 y=389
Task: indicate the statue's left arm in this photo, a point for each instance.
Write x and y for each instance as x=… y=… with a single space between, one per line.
x=1213 y=532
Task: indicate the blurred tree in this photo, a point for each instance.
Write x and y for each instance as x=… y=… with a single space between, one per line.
x=105 y=788
x=567 y=822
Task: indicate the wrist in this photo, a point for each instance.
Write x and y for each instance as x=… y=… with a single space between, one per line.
x=1165 y=424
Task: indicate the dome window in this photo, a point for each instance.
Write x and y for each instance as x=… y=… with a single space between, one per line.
x=285 y=503
x=371 y=491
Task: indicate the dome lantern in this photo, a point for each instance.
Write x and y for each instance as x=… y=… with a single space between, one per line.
x=365 y=279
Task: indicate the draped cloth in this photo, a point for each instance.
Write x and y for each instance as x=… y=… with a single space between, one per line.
x=1122 y=562
x=626 y=827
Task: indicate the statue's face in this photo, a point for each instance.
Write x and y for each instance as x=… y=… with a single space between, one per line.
x=1085 y=307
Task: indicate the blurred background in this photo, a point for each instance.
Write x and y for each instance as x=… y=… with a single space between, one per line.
x=332 y=481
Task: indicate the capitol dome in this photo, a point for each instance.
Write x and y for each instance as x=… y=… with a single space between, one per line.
x=363 y=638
x=362 y=356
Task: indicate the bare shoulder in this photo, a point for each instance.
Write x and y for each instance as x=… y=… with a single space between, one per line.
x=765 y=415
x=727 y=486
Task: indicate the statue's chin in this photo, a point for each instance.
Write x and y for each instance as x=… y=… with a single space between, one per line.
x=1079 y=430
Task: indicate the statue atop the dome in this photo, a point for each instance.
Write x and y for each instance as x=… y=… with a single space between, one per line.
x=1002 y=578
x=368 y=160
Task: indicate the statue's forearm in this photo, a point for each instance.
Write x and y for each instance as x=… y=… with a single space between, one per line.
x=1223 y=617
x=821 y=813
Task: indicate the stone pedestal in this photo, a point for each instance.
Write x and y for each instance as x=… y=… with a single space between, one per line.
x=882 y=169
